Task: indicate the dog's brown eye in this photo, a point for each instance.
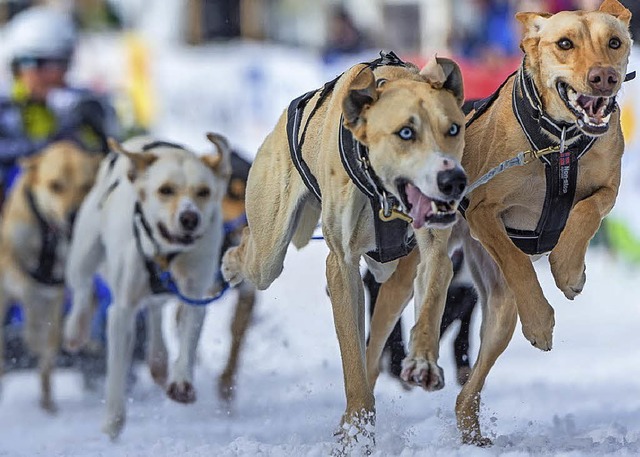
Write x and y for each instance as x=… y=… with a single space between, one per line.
x=406 y=133
x=203 y=193
x=565 y=43
x=615 y=43
x=166 y=190
x=56 y=187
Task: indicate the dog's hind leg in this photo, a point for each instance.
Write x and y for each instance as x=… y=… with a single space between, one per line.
x=157 y=356
x=393 y=297
x=239 y=325
x=499 y=319
x=274 y=201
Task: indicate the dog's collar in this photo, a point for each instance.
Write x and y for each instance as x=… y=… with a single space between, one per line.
x=49 y=237
x=541 y=130
x=157 y=262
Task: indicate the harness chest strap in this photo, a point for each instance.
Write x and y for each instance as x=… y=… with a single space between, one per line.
x=561 y=164
x=49 y=238
x=391 y=228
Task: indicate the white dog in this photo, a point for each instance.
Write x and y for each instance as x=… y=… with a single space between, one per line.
x=155 y=207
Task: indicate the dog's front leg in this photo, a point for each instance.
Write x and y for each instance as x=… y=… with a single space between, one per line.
x=432 y=281
x=567 y=258
x=536 y=314
x=180 y=386
x=120 y=335
x=157 y=356
x=393 y=297
x=347 y=299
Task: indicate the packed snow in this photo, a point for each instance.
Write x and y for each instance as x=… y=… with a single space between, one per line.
x=580 y=399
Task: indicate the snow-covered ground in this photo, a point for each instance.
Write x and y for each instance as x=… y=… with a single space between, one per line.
x=581 y=399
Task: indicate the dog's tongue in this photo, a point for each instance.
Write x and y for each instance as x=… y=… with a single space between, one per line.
x=594 y=107
x=420 y=205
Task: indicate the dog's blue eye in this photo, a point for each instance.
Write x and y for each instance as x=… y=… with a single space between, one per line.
x=406 y=133
x=615 y=43
x=454 y=129
x=565 y=43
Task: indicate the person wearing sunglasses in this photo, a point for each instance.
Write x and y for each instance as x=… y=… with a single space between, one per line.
x=40 y=107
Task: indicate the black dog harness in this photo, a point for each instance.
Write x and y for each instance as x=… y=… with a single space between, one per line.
x=393 y=239
x=49 y=237
x=561 y=169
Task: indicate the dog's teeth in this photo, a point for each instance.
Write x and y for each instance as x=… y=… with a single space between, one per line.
x=434 y=206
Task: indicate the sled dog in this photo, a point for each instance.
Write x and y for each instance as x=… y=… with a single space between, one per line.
x=559 y=109
x=374 y=150
x=35 y=231
x=155 y=210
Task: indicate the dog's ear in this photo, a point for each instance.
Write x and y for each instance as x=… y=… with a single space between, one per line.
x=443 y=73
x=140 y=160
x=360 y=95
x=532 y=23
x=220 y=162
x=617 y=9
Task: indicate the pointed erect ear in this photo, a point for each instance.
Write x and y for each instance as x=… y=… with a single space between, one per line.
x=617 y=9
x=532 y=23
x=360 y=95
x=140 y=160
x=220 y=161
x=443 y=73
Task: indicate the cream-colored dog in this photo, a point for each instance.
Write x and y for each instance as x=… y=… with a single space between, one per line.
x=575 y=63
x=155 y=206
x=412 y=125
x=36 y=227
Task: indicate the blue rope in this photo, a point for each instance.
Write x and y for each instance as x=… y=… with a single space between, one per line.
x=170 y=284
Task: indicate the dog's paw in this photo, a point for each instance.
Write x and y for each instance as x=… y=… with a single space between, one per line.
x=569 y=275
x=48 y=405
x=356 y=437
x=230 y=268
x=419 y=371
x=572 y=288
x=159 y=371
x=77 y=331
x=462 y=374
x=113 y=425
x=538 y=327
x=182 y=392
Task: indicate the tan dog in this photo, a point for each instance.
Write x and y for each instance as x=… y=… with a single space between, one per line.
x=36 y=226
x=411 y=123
x=574 y=65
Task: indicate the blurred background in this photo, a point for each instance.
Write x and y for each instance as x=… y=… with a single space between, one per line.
x=180 y=68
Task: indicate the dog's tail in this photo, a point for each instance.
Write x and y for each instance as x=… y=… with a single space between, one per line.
x=309 y=215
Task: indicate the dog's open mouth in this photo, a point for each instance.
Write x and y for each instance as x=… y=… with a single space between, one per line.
x=423 y=209
x=185 y=239
x=592 y=112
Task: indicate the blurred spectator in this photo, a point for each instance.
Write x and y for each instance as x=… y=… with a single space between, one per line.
x=39 y=107
x=343 y=37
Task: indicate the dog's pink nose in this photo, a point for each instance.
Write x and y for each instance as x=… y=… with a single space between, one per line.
x=603 y=80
